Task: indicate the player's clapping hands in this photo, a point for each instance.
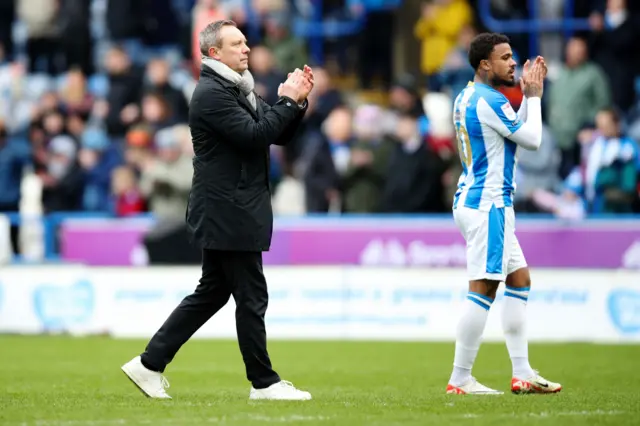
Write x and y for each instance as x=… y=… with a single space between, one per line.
x=533 y=75
x=298 y=85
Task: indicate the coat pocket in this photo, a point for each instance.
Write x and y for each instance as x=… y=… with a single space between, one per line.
x=242 y=181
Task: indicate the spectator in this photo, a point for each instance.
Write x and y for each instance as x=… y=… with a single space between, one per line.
x=75 y=35
x=16 y=106
x=156 y=112
x=54 y=123
x=124 y=20
x=456 y=71
x=63 y=181
x=375 y=40
x=611 y=173
x=125 y=87
x=322 y=101
x=204 y=12
x=74 y=96
x=419 y=187
x=607 y=182
x=158 y=73
x=404 y=97
x=160 y=28
x=324 y=160
x=289 y=51
x=265 y=74
x=183 y=136
x=7 y=15
x=98 y=158
x=166 y=178
x=127 y=197
x=138 y=149
x=537 y=170
x=15 y=156
x=42 y=36
x=438 y=29
x=366 y=174
x=614 y=40
x=580 y=91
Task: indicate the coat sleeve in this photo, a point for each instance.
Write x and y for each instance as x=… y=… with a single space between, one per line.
x=220 y=113
x=289 y=132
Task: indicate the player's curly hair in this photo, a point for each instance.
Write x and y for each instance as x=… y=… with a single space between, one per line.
x=482 y=46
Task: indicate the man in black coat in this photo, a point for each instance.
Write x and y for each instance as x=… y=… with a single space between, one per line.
x=229 y=213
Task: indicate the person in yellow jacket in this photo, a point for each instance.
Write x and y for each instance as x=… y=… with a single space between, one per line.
x=438 y=28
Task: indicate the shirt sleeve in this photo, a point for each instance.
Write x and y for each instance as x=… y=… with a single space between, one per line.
x=496 y=112
x=500 y=116
x=522 y=112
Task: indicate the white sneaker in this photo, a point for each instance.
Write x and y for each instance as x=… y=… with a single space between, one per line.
x=472 y=387
x=534 y=384
x=150 y=383
x=282 y=390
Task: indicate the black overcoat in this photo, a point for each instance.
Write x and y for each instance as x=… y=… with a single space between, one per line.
x=230 y=201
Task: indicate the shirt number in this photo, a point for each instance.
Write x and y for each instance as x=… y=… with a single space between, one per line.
x=464 y=146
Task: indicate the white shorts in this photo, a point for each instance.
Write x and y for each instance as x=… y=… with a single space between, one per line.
x=493 y=251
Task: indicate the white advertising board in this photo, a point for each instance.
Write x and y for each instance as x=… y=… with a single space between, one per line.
x=35 y=299
x=318 y=303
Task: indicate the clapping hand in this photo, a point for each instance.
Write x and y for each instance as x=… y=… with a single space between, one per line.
x=309 y=79
x=298 y=85
x=528 y=69
x=532 y=80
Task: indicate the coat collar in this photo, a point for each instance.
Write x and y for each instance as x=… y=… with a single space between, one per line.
x=207 y=72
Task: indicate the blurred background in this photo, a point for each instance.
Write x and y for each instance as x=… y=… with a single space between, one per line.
x=96 y=169
x=94 y=102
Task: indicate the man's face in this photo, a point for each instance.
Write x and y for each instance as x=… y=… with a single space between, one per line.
x=576 y=52
x=261 y=60
x=158 y=72
x=407 y=129
x=117 y=62
x=616 y=5
x=606 y=124
x=501 y=66
x=233 y=50
x=169 y=154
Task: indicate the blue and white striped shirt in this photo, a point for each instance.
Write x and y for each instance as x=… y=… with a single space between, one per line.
x=483 y=119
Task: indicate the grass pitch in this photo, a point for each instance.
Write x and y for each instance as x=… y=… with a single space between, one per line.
x=64 y=381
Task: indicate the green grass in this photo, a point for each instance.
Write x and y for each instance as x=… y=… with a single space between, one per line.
x=66 y=381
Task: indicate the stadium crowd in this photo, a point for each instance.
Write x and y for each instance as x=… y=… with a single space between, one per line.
x=94 y=102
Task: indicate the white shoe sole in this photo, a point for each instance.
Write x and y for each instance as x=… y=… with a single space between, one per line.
x=132 y=377
x=278 y=399
x=259 y=397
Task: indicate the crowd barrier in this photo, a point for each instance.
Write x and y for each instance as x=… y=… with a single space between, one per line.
x=332 y=302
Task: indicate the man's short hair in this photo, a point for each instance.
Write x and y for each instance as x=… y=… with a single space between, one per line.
x=614 y=113
x=482 y=46
x=210 y=36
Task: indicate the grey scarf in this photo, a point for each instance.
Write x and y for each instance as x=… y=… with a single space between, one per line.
x=243 y=81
